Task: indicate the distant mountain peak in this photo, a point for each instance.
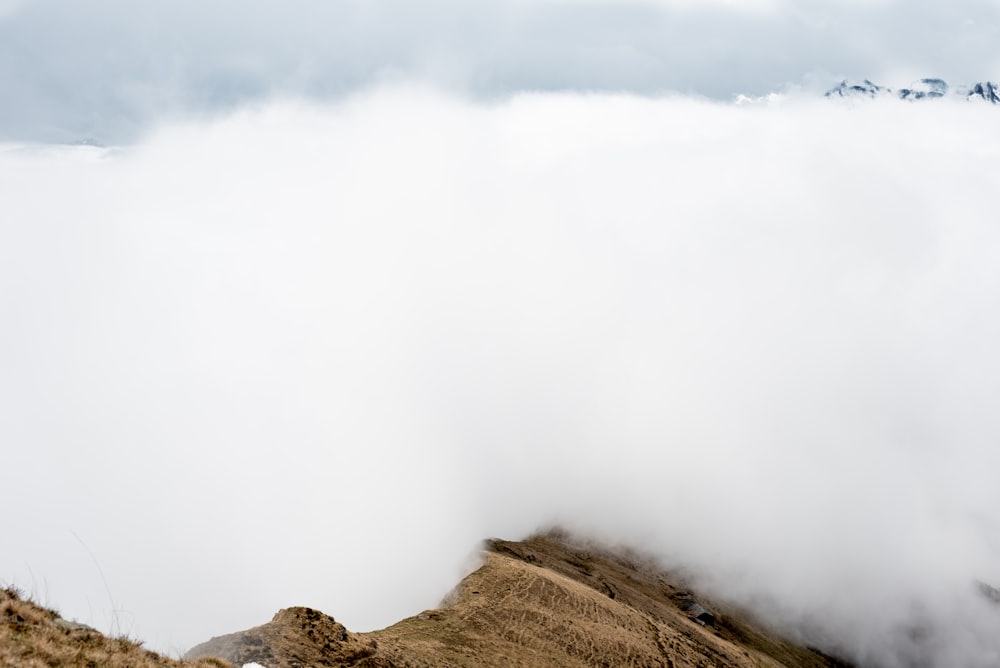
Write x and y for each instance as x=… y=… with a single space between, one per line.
x=923 y=89
x=863 y=89
x=986 y=90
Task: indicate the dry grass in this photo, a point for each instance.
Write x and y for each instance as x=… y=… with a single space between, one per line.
x=34 y=637
x=546 y=601
x=637 y=581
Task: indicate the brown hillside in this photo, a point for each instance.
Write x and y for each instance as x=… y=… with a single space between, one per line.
x=33 y=637
x=542 y=602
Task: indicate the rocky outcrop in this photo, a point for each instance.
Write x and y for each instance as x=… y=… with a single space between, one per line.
x=294 y=638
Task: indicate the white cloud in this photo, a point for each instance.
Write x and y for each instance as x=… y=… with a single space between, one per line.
x=310 y=355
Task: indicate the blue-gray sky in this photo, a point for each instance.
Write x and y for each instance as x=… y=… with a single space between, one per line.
x=104 y=70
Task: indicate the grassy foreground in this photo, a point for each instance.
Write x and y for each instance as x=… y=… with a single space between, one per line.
x=34 y=637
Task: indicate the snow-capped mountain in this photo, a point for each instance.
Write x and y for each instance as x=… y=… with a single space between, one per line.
x=986 y=90
x=923 y=89
x=863 y=89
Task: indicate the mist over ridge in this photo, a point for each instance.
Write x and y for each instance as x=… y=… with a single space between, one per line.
x=312 y=354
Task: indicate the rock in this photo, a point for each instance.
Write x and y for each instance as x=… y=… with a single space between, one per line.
x=295 y=636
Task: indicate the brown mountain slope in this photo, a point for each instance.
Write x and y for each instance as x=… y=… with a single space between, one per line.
x=544 y=601
x=33 y=637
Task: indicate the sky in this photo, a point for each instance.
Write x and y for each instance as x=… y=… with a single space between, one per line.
x=308 y=342
x=105 y=71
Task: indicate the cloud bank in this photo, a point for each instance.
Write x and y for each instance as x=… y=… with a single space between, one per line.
x=108 y=71
x=310 y=355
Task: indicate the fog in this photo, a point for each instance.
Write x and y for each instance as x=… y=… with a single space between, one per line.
x=310 y=354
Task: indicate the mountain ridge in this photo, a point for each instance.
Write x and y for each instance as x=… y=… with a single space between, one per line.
x=922 y=89
x=543 y=601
